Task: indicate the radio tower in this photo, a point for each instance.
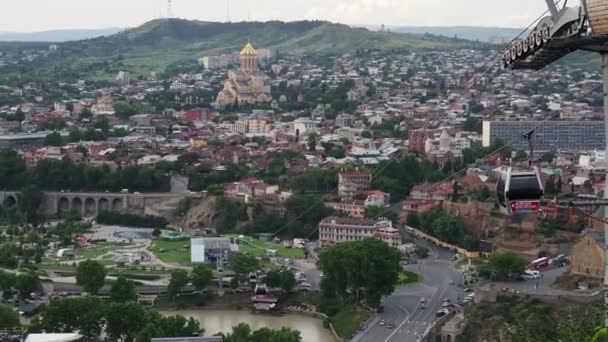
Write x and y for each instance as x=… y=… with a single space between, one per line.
x=227 y=11
x=169 y=9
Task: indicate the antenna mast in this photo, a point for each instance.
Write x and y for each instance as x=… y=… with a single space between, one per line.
x=227 y=11
x=169 y=9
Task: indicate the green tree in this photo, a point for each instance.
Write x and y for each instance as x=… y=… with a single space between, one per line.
x=548 y=157
x=26 y=283
x=183 y=206
x=243 y=264
x=86 y=114
x=179 y=279
x=520 y=155
x=507 y=264
x=7 y=283
x=9 y=318
x=413 y=220
x=123 y=290
x=421 y=252
x=312 y=142
x=366 y=269
x=124 y=320
x=90 y=275
x=273 y=278
x=201 y=276
x=376 y=211
x=53 y=139
x=29 y=199
x=66 y=315
x=288 y=280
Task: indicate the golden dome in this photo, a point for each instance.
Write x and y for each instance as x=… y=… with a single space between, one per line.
x=248 y=50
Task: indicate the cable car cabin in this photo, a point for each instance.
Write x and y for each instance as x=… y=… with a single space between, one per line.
x=519 y=192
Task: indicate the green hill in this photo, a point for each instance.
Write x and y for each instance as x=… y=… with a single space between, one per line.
x=160 y=43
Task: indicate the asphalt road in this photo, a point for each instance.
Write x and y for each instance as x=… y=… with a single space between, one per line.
x=403 y=308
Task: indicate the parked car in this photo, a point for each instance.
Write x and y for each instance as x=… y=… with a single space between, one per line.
x=442 y=313
x=390 y=326
x=382 y=322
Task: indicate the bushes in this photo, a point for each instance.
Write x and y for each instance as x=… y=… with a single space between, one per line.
x=131 y=220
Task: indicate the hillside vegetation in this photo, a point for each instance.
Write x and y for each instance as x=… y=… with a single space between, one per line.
x=160 y=43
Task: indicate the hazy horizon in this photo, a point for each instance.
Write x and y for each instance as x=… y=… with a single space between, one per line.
x=48 y=16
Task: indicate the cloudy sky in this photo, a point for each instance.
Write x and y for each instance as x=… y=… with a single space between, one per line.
x=36 y=15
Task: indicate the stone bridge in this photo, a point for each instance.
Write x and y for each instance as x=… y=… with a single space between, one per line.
x=89 y=204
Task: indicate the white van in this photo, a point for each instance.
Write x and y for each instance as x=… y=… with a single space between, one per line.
x=531 y=274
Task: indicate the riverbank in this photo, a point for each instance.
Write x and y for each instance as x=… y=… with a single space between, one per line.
x=215 y=320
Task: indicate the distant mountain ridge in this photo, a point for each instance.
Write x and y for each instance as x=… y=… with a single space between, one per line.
x=57 y=36
x=483 y=34
x=298 y=36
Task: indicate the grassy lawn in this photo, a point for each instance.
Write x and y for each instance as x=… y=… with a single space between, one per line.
x=94 y=250
x=282 y=251
x=348 y=320
x=173 y=252
x=408 y=278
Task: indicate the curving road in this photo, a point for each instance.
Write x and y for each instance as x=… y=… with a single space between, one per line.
x=403 y=308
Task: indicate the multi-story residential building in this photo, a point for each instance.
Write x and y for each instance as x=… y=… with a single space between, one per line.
x=352 y=208
x=344 y=120
x=377 y=198
x=417 y=139
x=333 y=230
x=250 y=188
x=351 y=183
x=258 y=125
x=241 y=126
x=548 y=135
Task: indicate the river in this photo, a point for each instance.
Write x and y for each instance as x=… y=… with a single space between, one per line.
x=214 y=321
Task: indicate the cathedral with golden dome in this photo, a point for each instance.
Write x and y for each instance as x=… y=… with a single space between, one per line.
x=248 y=85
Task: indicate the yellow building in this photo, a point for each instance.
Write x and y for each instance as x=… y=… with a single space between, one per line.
x=248 y=85
x=197 y=143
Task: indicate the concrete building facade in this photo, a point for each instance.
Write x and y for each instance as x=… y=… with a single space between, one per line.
x=551 y=135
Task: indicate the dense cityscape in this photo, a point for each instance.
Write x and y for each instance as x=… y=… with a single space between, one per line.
x=262 y=193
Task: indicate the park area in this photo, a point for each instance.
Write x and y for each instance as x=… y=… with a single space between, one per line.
x=171 y=252
x=258 y=248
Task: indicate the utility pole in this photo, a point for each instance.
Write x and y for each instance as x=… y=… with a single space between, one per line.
x=605 y=79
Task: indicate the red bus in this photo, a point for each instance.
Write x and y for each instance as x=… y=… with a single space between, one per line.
x=539 y=264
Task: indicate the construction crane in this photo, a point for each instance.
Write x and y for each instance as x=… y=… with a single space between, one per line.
x=563 y=31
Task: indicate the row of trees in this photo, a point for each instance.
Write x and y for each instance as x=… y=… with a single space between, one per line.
x=282 y=278
x=447 y=228
x=200 y=277
x=126 y=321
x=131 y=220
x=64 y=174
x=21 y=285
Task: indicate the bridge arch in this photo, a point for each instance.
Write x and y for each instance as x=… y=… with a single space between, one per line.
x=63 y=205
x=103 y=205
x=90 y=207
x=117 y=204
x=9 y=202
x=77 y=204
